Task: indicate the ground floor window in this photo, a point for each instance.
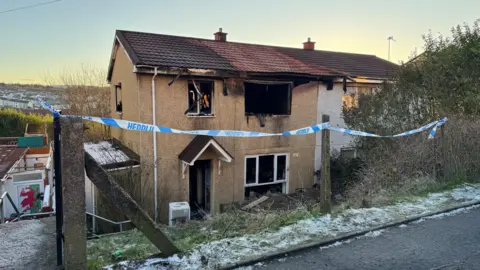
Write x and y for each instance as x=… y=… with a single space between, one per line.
x=266 y=173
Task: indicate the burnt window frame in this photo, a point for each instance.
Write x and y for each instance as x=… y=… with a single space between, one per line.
x=266 y=84
x=118 y=87
x=198 y=113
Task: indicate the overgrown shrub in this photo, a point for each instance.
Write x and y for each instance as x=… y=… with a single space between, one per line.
x=344 y=173
x=444 y=81
x=13 y=122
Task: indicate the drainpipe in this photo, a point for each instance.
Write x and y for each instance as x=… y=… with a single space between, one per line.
x=155 y=172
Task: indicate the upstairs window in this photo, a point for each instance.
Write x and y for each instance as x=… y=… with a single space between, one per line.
x=272 y=98
x=349 y=101
x=118 y=98
x=200 y=98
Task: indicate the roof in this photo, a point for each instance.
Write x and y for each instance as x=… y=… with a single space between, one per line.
x=111 y=154
x=9 y=155
x=185 y=52
x=198 y=145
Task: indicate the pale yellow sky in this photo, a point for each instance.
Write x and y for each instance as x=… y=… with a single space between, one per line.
x=63 y=35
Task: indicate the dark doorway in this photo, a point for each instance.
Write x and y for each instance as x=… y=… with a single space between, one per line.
x=200 y=188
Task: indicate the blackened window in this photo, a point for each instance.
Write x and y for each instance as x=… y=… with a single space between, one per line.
x=200 y=98
x=270 y=99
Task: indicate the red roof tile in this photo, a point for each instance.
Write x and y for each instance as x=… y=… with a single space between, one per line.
x=185 y=52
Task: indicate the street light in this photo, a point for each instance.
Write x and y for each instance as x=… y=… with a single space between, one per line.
x=390 y=39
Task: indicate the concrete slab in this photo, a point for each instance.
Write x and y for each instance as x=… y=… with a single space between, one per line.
x=28 y=244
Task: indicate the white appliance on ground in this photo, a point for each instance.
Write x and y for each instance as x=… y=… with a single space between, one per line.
x=178 y=212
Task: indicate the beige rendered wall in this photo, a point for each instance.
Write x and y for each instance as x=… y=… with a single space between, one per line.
x=122 y=73
x=229 y=114
x=171 y=103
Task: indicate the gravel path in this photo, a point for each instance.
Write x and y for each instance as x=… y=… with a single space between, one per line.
x=28 y=244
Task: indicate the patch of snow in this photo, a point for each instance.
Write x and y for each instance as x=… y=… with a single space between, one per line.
x=466 y=193
x=336 y=244
x=402 y=226
x=104 y=153
x=374 y=233
x=226 y=251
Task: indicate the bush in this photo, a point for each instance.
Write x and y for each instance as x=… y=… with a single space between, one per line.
x=13 y=122
x=414 y=165
x=344 y=173
x=442 y=82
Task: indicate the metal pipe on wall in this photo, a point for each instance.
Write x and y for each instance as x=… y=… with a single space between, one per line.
x=155 y=169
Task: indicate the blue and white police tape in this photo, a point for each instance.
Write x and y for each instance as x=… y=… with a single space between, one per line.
x=47 y=106
x=129 y=125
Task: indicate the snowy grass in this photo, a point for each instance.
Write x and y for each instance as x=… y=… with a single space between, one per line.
x=228 y=239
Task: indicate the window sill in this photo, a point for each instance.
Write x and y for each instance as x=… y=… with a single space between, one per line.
x=120 y=113
x=200 y=115
x=264 y=184
x=268 y=115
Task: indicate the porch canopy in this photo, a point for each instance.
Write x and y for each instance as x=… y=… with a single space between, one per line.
x=200 y=145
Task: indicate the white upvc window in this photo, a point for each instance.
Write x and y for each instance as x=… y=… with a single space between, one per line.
x=264 y=170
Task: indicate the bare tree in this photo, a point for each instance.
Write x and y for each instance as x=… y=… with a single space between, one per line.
x=86 y=90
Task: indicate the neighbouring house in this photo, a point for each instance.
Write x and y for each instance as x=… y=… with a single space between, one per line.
x=15 y=103
x=26 y=175
x=200 y=84
x=366 y=73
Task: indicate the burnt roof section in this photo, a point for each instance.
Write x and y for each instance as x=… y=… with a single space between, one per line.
x=195 y=147
x=185 y=52
x=9 y=155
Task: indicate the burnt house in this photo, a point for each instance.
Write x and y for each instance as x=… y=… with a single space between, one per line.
x=214 y=84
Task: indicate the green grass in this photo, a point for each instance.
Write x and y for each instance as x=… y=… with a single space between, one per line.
x=132 y=244
x=188 y=236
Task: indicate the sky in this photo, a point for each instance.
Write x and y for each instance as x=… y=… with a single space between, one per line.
x=50 y=39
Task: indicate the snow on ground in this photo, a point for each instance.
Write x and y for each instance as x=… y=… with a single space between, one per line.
x=104 y=153
x=222 y=252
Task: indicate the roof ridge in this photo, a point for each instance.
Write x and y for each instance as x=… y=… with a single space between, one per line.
x=246 y=43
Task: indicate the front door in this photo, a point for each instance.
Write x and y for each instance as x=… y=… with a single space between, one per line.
x=200 y=188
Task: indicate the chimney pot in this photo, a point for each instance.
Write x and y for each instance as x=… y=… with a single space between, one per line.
x=309 y=45
x=220 y=35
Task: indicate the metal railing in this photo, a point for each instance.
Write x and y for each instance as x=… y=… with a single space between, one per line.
x=2 y=214
x=120 y=223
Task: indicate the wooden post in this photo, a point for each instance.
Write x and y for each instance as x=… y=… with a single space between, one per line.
x=73 y=189
x=325 y=181
x=125 y=204
x=443 y=145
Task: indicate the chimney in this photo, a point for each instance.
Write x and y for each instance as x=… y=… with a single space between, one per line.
x=220 y=36
x=309 y=45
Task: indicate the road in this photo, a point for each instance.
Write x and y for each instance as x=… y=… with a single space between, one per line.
x=437 y=244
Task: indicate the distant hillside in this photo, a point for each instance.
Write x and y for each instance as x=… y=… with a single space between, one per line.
x=32 y=87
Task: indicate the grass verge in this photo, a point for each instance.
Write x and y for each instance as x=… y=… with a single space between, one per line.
x=133 y=245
